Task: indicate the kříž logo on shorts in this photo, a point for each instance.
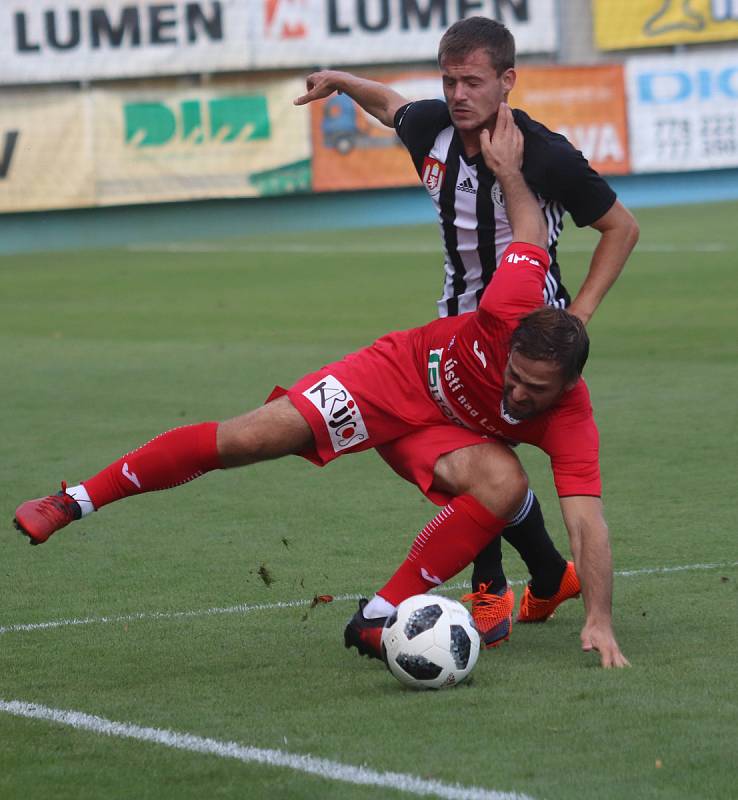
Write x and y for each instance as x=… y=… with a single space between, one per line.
x=340 y=412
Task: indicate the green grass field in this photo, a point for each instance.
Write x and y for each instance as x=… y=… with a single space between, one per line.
x=102 y=350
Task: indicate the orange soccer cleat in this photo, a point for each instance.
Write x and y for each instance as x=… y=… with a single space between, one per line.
x=536 y=609
x=492 y=614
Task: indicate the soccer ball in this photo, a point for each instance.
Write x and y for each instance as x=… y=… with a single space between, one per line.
x=430 y=642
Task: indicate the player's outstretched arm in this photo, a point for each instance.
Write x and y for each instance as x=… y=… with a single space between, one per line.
x=503 y=154
x=375 y=98
x=590 y=544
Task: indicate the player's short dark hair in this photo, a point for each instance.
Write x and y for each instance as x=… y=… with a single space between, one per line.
x=553 y=334
x=479 y=33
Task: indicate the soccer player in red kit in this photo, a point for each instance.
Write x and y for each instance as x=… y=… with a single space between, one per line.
x=442 y=404
x=476 y=60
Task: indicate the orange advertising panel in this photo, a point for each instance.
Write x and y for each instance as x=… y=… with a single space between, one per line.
x=586 y=104
x=351 y=150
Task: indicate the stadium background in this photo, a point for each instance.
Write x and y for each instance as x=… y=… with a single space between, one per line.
x=110 y=110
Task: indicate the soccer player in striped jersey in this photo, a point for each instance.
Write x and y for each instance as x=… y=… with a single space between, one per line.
x=476 y=57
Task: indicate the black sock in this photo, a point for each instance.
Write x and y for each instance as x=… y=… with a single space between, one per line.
x=545 y=564
x=488 y=568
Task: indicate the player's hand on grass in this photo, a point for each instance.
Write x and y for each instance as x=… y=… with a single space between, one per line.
x=503 y=150
x=319 y=85
x=602 y=639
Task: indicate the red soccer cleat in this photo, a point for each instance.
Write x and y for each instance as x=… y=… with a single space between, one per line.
x=38 y=519
x=492 y=614
x=536 y=609
x=365 y=634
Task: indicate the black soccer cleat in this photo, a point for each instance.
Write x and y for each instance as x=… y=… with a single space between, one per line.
x=365 y=634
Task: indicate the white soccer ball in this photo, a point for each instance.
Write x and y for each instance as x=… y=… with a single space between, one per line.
x=430 y=642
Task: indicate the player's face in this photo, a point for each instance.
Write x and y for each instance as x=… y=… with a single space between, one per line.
x=473 y=90
x=531 y=387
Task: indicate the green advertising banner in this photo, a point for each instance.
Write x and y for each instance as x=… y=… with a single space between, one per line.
x=229 y=139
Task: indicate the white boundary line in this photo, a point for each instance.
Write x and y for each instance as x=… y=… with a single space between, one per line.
x=321 y=767
x=283 y=247
x=243 y=608
x=246 y=608
x=629 y=573
x=370 y=248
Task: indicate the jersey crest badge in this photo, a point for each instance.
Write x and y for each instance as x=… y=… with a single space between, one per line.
x=497 y=197
x=433 y=174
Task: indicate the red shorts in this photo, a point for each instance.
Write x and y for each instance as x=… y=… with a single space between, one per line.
x=377 y=398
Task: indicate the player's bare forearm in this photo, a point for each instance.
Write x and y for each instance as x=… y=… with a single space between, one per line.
x=503 y=154
x=526 y=219
x=590 y=544
x=618 y=236
x=375 y=98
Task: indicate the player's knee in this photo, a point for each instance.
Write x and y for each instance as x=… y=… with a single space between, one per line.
x=501 y=484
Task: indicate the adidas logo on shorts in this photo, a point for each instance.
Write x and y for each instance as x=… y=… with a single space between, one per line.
x=466 y=186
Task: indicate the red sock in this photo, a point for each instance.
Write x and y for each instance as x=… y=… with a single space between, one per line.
x=170 y=459
x=447 y=544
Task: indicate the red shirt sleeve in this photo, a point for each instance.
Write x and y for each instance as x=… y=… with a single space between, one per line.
x=573 y=444
x=517 y=285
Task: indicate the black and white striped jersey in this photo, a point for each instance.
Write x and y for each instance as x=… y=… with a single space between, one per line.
x=471 y=210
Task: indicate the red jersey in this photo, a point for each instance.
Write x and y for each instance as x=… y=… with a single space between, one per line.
x=403 y=394
x=465 y=358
